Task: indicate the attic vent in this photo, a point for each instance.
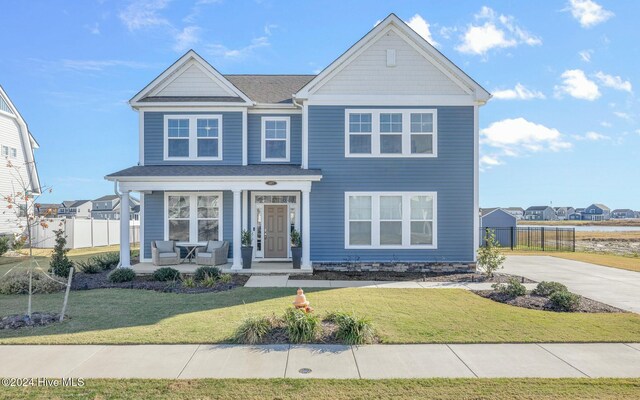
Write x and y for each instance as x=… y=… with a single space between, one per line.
x=391 y=57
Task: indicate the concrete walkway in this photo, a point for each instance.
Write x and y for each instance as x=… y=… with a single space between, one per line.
x=284 y=281
x=616 y=287
x=323 y=361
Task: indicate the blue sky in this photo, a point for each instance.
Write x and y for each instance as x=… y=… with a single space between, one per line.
x=563 y=127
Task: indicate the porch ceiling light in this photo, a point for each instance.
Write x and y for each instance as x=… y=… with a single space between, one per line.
x=271 y=183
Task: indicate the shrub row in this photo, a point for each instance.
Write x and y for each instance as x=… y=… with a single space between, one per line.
x=17 y=282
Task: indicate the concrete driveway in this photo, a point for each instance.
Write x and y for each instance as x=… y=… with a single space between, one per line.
x=616 y=287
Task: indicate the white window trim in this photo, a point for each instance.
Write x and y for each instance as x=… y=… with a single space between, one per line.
x=193 y=214
x=375 y=132
x=259 y=255
x=263 y=151
x=193 y=136
x=406 y=221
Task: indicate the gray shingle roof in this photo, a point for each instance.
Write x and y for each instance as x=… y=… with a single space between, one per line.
x=215 y=170
x=79 y=203
x=537 y=208
x=275 y=89
x=485 y=211
x=107 y=197
x=601 y=206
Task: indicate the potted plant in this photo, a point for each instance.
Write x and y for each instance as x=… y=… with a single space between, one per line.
x=247 y=249
x=296 y=248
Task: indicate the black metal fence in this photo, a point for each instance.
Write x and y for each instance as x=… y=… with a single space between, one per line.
x=533 y=238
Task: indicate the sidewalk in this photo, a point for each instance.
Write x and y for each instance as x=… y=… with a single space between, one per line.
x=284 y=281
x=323 y=361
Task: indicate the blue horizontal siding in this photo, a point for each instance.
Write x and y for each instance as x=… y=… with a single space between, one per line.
x=255 y=138
x=450 y=175
x=154 y=139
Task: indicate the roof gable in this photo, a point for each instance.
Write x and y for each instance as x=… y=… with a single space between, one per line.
x=419 y=67
x=190 y=79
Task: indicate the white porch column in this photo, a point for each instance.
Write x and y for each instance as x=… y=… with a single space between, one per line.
x=306 y=230
x=125 y=244
x=237 y=229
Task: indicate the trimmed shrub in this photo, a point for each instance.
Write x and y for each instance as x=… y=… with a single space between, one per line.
x=301 y=326
x=252 y=330
x=120 y=275
x=353 y=329
x=565 y=301
x=203 y=272
x=5 y=244
x=88 y=267
x=17 y=282
x=512 y=289
x=546 y=289
x=166 y=274
x=60 y=263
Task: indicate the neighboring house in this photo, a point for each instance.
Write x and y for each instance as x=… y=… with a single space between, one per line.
x=46 y=210
x=502 y=223
x=576 y=216
x=16 y=147
x=374 y=160
x=562 y=213
x=596 y=212
x=75 y=209
x=540 y=213
x=623 y=213
x=108 y=207
x=517 y=212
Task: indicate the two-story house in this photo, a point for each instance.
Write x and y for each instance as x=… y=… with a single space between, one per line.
x=540 y=213
x=16 y=149
x=109 y=207
x=623 y=213
x=374 y=159
x=517 y=212
x=75 y=209
x=562 y=213
x=596 y=212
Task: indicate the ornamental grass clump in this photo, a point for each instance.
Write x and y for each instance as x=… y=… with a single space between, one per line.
x=203 y=272
x=253 y=330
x=352 y=329
x=302 y=326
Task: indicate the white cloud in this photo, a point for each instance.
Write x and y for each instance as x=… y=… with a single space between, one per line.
x=494 y=31
x=517 y=137
x=99 y=65
x=588 y=13
x=489 y=161
x=576 y=84
x=520 y=92
x=219 y=50
x=94 y=29
x=143 y=14
x=585 y=55
x=418 y=24
x=596 y=136
x=269 y=28
x=623 y=115
x=186 y=38
x=606 y=124
x=614 y=82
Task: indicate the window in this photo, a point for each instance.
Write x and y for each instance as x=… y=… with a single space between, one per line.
x=275 y=138
x=193 y=137
x=390 y=220
x=359 y=133
x=193 y=217
x=207 y=137
x=391 y=133
x=13 y=152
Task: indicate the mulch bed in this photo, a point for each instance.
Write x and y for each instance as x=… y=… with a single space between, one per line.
x=406 y=276
x=82 y=281
x=17 y=321
x=542 y=303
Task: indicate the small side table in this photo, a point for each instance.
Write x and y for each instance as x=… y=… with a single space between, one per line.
x=191 y=249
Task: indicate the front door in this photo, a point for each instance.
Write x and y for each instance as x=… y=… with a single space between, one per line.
x=275 y=231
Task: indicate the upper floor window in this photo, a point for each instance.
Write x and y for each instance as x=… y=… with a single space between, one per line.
x=391 y=133
x=9 y=151
x=193 y=137
x=275 y=138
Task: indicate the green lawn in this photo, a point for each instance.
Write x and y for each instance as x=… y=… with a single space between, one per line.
x=494 y=389
x=401 y=316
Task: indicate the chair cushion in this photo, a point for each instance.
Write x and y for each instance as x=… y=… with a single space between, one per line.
x=204 y=255
x=165 y=246
x=214 y=245
x=168 y=255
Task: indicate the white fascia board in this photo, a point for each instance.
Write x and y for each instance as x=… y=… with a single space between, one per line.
x=203 y=185
x=167 y=106
x=208 y=178
x=393 y=100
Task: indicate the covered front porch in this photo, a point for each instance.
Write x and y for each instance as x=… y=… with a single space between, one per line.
x=217 y=203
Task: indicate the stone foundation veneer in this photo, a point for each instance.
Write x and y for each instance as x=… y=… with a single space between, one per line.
x=432 y=267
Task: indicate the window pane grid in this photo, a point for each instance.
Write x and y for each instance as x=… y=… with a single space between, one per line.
x=275 y=139
x=194 y=137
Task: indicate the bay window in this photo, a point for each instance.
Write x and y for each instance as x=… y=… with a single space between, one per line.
x=190 y=137
x=193 y=217
x=375 y=220
x=391 y=133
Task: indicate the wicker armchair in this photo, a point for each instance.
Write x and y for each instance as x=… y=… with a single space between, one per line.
x=164 y=252
x=215 y=253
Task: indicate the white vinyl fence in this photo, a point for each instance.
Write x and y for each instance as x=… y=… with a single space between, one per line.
x=83 y=233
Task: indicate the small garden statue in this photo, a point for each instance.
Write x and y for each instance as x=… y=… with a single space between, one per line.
x=301 y=302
